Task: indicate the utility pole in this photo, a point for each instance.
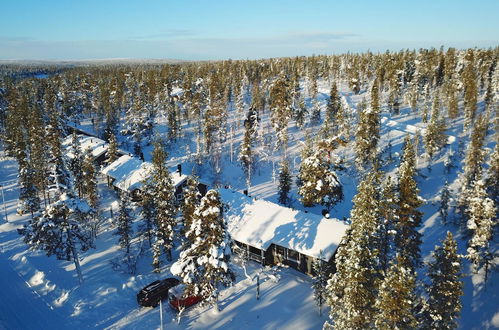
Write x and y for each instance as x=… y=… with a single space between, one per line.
x=161 y=314
x=4 y=207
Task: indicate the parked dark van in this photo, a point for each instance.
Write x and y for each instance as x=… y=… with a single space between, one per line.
x=156 y=291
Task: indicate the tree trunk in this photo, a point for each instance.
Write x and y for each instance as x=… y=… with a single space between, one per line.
x=75 y=256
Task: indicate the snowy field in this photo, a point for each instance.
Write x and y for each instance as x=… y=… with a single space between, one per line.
x=43 y=293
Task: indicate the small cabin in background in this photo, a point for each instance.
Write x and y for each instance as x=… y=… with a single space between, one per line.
x=98 y=147
x=273 y=234
x=128 y=174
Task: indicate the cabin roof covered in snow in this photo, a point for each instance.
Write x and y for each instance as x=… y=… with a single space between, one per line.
x=97 y=146
x=260 y=223
x=130 y=172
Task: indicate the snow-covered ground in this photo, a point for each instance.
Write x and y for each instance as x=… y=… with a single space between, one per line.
x=42 y=293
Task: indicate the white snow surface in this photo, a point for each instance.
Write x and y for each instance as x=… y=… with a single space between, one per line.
x=97 y=146
x=260 y=223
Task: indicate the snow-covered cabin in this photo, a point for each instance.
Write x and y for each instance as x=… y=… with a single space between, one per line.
x=274 y=234
x=97 y=147
x=128 y=173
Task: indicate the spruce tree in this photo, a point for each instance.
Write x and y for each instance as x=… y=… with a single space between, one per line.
x=445 y=198
x=62 y=229
x=204 y=265
x=396 y=300
x=76 y=163
x=446 y=287
x=321 y=270
x=473 y=164
x=434 y=137
x=165 y=202
x=192 y=197
x=408 y=239
x=29 y=201
x=319 y=184
x=284 y=183
x=112 y=151
x=89 y=180
x=352 y=289
x=333 y=107
x=124 y=224
x=280 y=104
x=481 y=221
x=492 y=178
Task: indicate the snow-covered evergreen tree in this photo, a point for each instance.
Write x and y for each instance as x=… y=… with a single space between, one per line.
x=29 y=201
x=407 y=238
x=446 y=287
x=112 y=151
x=352 y=289
x=62 y=229
x=445 y=198
x=75 y=164
x=192 y=197
x=319 y=284
x=124 y=223
x=319 y=183
x=434 y=137
x=396 y=300
x=492 y=178
x=164 y=199
x=481 y=221
x=284 y=183
x=204 y=265
x=89 y=181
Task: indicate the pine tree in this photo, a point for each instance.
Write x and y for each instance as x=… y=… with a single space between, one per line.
x=165 y=202
x=408 y=239
x=352 y=289
x=192 y=197
x=445 y=198
x=470 y=89
x=280 y=104
x=319 y=284
x=89 y=181
x=446 y=288
x=388 y=209
x=492 y=179
x=367 y=134
x=76 y=163
x=473 y=164
x=28 y=192
x=334 y=107
x=434 y=137
x=396 y=299
x=112 y=151
x=203 y=266
x=284 y=183
x=481 y=221
x=62 y=229
x=319 y=184
x=124 y=223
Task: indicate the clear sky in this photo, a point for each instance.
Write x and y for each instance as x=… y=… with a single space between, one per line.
x=221 y=29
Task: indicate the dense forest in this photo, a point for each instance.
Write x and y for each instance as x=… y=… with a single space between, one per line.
x=317 y=124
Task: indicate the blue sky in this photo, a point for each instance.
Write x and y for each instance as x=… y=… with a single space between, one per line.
x=192 y=30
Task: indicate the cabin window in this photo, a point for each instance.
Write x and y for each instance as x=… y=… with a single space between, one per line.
x=293 y=255
x=279 y=250
x=254 y=250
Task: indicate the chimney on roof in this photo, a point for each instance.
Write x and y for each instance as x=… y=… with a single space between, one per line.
x=179 y=169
